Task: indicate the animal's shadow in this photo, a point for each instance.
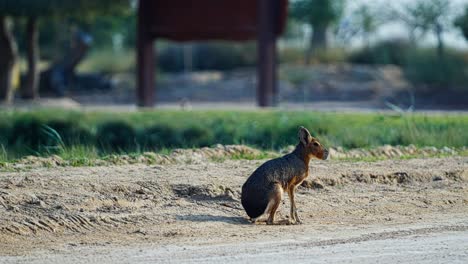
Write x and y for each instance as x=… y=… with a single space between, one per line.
x=235 y=220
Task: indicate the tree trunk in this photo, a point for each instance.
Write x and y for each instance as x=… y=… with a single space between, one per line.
x=7 y=60
x=29 y=90
x=366 y=40
x=309 y=51
x=317 y=41
x=319 y=37
x=412 y=36
x=440 y=41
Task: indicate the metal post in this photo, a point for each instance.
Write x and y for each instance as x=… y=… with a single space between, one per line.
x=266 y=49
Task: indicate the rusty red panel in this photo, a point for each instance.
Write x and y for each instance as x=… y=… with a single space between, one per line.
x=184 y=20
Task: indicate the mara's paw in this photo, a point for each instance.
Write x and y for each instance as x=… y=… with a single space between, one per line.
x=297 y=223
x=258 y=221
x=293 y=221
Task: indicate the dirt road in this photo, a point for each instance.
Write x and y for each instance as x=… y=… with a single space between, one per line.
x=391 y=247
x=405 y=210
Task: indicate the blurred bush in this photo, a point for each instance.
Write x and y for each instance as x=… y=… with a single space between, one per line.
x=387 y=52
x=71 y=133
x=116 y=136
x=197 y=136
x=422 y=66
x=449 y=72
x=28 y=131
x=171 y=59
x=5 y=132
x=293 y=55
x=80 y=133
x=208 y=56
x=225 y=130
x=107 y=61
x=158 y=136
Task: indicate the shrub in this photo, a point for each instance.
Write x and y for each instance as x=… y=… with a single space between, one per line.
x=208 y=56
x=294 y=55
x=421 y=66
x=71 y=133
x=197 y=136
x=158 y=137
x=171 y=59
x=5 y=132
x=261 y=137
x=424 y=66
x=225 y=131
x=116 y=136
x=36 y=133
x=109 y=62
x=286 y=135
x=28 y=131
x=291 y=55
x=223 y=56
x=386 y=52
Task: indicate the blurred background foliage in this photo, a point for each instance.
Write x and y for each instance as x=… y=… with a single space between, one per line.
x=319 y=25
x=319 y=31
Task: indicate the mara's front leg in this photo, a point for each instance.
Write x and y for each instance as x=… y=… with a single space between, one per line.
x=293 y=213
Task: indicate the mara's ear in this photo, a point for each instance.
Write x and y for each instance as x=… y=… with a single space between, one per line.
x=304 y=135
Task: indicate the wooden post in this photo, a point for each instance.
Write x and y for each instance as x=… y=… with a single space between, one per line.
x=145 y=63
x=29 y=90
x=267 y=91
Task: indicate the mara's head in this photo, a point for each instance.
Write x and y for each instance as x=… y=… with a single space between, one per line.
x=312 y=146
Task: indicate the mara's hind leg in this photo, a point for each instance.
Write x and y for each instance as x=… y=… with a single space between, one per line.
x=276 y=196
x=259 y=219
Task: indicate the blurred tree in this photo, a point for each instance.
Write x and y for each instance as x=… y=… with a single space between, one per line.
x=319 y=14
x=82 y=10
x=8 y=56
x=104 y=29
x=294 y=30
x=426 y=16
x=366 y=22
x=363 y=22
x=462 y=23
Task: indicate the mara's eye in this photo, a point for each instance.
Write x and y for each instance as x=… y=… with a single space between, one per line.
x=316 y=144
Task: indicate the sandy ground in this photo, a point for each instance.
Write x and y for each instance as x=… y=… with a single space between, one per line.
x=389 y=211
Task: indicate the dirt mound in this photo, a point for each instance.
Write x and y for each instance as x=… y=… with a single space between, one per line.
x=34 y=161
x=387 y=152
x=402 y=177
x=178 y=156
x=35 y=206
x=223 y=152
x=61 y=223
x=34 y=213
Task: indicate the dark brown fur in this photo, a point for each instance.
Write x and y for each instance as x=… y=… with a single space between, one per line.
x=265 y=187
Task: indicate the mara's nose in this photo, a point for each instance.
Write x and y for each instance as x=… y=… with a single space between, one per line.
x=325 y=154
